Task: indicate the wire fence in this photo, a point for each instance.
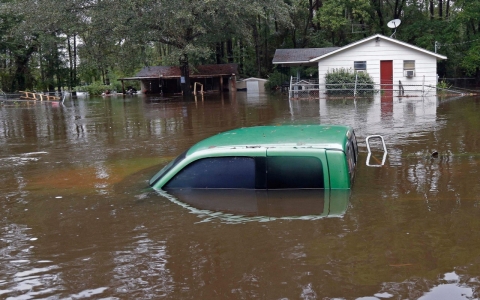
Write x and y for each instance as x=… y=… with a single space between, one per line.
x=462 y=83
x=9 y=96
x=312 y=89
x=21 y=96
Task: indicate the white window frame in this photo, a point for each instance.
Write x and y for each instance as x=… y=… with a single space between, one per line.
x=409 y=68
x=408 y=65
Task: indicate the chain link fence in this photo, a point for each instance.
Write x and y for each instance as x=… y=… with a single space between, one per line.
x=9 y=96
x=21 y=96
x=312 y=89
x=466 y=85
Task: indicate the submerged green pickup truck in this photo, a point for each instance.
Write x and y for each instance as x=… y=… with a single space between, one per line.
x=266 y=158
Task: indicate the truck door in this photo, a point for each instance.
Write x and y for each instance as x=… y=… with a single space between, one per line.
x=297 y=168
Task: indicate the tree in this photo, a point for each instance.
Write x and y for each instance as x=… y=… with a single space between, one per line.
x=39 y=30
x=193 y=28
x=42 y=40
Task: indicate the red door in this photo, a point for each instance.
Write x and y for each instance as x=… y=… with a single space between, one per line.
x=386 y=74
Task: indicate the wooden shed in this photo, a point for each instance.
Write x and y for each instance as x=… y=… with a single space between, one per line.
x=167 y=79
x=252 y=84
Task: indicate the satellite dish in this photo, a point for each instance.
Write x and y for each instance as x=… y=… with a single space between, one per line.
x=394 y=24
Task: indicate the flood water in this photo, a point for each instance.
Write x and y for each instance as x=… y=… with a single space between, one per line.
x=79 y=222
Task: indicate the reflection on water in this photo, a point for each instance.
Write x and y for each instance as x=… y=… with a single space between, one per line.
x=235 y=206
x=79 y=221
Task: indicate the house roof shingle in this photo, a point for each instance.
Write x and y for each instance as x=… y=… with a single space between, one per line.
x=199 y=71
x=300 y=55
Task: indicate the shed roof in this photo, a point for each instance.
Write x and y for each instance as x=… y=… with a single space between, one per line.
x=196 y=72
x=254 y=79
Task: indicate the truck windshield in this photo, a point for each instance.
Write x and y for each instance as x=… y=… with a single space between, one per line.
x=167 y=168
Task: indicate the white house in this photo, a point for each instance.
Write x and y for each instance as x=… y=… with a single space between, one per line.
x=386 y=60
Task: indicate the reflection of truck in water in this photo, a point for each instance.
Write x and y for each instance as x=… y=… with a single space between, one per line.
x=268 y=203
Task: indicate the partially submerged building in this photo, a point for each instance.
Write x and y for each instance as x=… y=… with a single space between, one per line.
x=252 y=85
x=387 y=60
x=167 y=79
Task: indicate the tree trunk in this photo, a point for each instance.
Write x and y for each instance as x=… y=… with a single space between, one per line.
x=19 y=82
x=218 y=53
x=294 y=38
x=74 y=93
x=107 y=77
x=318 y=4
x=70 y=64
x=431 y=9
x=42 y=68
x=398 y=8
x=381 y=23
x=52 y=64
x=309 y=22
x=257 y=49
x=440 y=9
x=265 y=53
x=242 y=56
x=230 y=51
x=477 y=74
x=185 y=78
x=472 y=24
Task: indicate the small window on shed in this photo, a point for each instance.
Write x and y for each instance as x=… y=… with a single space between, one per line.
x=292 y=172
x=409 y=65
x=217 y=173
x=360 y=65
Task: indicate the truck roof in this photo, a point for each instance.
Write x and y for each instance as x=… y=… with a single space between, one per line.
x=318 y=136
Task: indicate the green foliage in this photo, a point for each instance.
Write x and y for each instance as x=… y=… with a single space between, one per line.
x=471 y=61
x=337 y=15
x=275 y=80
x=95 y=89
x=42 y=41
x=443 y=85
x=342 y=81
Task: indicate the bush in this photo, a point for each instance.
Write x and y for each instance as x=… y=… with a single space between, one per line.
x=342 y=81
x=94 y=89
x=443 y=85
x=274 y=80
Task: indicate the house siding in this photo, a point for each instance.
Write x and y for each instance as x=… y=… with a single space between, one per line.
x=373 y=52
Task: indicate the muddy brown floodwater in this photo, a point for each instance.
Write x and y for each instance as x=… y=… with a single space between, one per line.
x=78 y=220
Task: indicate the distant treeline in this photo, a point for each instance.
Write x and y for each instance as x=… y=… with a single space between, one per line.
x=51 y=44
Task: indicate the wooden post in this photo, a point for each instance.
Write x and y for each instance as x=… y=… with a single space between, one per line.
x=37 y=96
x=233 y=86
x=195 y=88
x=123 y=86
x=221 y=84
